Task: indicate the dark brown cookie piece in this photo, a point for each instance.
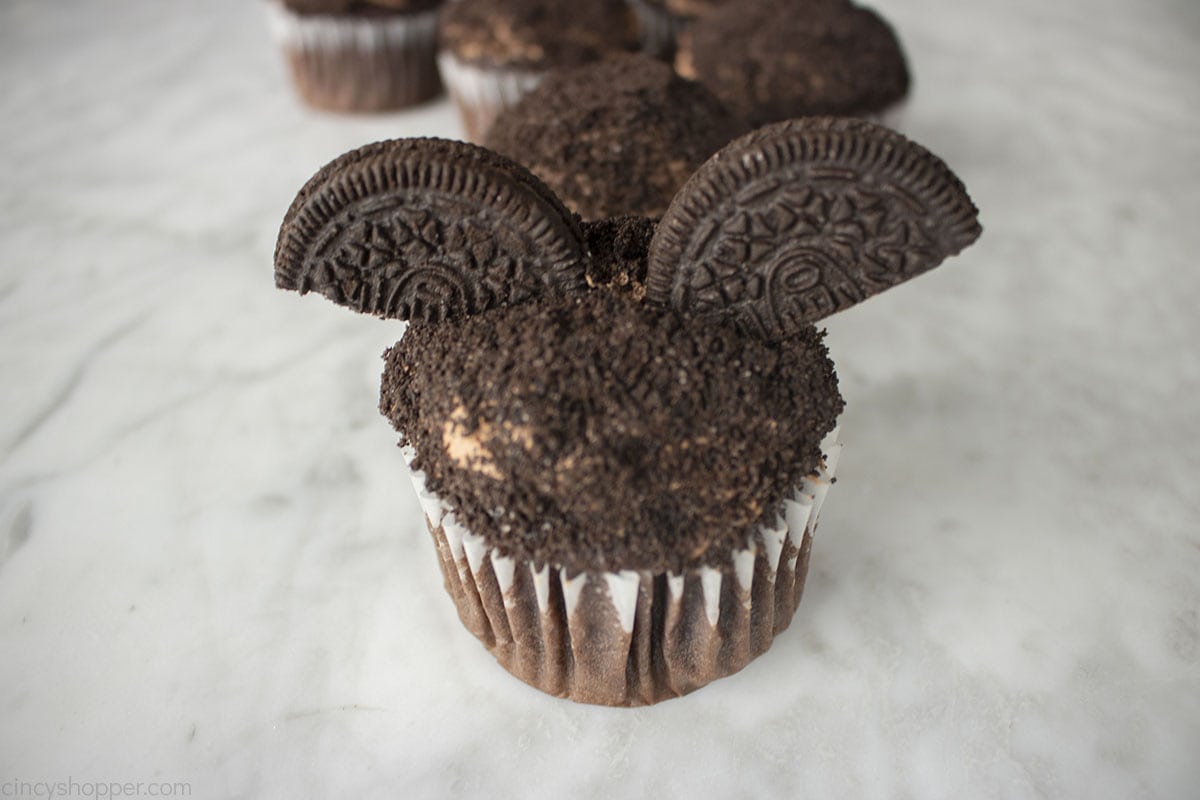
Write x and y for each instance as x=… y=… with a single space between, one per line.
x=772 y=60
x=617 y=250
x=427 y=229
x=618 y=136
x=801 y=219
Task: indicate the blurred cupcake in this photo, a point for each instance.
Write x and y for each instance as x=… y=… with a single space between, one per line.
x=772 y=60
x=493 y=51
x=359 y=55
x=615 y=137
x=662 y=21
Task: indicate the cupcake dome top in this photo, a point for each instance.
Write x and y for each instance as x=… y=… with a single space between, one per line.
x=688 y=8
x=368 y=7
x=772 y=60
x=692 y=9
x=536 y=34
x=619 y=136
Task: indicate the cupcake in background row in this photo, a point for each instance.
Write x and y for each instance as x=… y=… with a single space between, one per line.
x=661 y=21
x=616 y=137
x=771 y=60
x=359 y=55
x=491 y=52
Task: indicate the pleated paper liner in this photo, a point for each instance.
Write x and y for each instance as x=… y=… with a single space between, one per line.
x=633 y=637
x=481 y=93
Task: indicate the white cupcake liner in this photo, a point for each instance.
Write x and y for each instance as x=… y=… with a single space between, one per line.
x=480 y=93
x=359 y=63
x=632 y=637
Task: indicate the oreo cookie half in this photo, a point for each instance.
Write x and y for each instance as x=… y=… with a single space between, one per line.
x=804 y=218
x=428 y=229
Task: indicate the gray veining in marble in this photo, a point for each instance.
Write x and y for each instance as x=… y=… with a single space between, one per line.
x=212 y=566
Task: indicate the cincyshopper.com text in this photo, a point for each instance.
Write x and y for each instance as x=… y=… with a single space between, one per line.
x=50 y=790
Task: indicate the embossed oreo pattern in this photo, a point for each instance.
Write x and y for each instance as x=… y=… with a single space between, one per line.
x=798 y=220
x=427 y=229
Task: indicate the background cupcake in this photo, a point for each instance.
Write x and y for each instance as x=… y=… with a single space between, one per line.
x=662 y=21
x=772 y=60
x=493 y=51
x=619 y=136
x=359 y=55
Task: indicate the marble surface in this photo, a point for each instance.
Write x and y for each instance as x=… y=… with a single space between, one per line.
x=213 y=570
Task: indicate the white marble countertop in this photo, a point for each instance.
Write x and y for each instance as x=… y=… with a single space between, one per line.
x=213 y=569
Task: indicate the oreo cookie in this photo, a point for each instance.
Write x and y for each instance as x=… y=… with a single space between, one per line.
x=428 y=229
x=801 y=219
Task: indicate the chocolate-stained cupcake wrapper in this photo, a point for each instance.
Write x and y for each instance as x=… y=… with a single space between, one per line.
x=630 y=638
x=359 y=64
x=659 y=29
x=480 y=93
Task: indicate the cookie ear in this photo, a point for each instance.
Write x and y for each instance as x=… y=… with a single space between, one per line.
x=804 y=218
x=427 y=229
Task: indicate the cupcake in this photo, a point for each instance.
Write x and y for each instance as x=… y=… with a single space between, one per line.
x=493 y=51
x=662 y=21
x=614 y=137
x=359 y=55
x=622 y=433
x=772 y=60
x=594 y=526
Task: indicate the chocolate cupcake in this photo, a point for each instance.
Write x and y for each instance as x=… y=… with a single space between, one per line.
x=621 y=433
x=771 y=60
x=614 y=137
x=359 y=55
x=662 y=21
x=493 y=51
